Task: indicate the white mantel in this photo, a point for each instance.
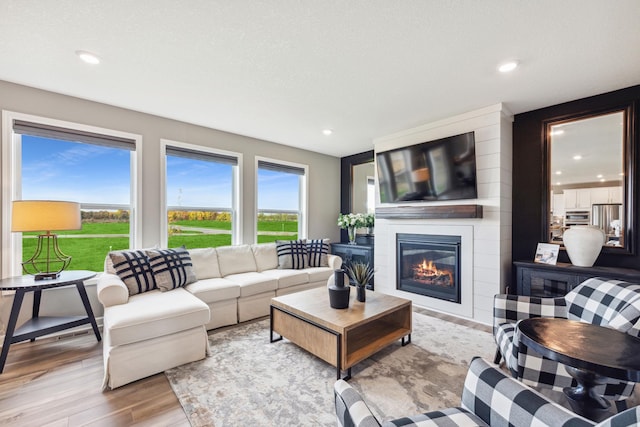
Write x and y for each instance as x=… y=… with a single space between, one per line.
x=486 y=241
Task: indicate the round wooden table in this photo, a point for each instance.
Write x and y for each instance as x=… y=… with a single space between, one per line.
x=592 y=354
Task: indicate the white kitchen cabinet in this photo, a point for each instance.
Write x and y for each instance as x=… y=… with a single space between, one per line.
x=558 y=205
x=606 y=195
x=577 y=198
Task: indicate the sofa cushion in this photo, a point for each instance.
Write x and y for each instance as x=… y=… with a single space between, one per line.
x=133 y=268
x=253 y=283
x=292 y=254
x=317 y=252
x=318 y=274
x=205 y=263
x=288 y=278
x=214 y=289
x=154 y=314
x=235 y=259
x=266 y=256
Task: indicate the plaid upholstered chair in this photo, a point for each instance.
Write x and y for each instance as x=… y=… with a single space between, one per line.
x=610 y=303
x=489 y=398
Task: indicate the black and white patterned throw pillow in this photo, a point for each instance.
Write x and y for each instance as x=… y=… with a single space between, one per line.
x=317 y=251
x=133 y=268
x=172 y=268
x=292 y=254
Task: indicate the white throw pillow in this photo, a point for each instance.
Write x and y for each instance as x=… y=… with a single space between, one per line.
x=266 y=256
x=205 y=263
x=236 y=259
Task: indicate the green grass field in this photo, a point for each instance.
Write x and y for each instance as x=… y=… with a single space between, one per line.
x=88 y=253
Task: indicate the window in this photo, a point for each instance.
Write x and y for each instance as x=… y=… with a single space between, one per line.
x=281 y=194
x=201 y=196
x=52 y=160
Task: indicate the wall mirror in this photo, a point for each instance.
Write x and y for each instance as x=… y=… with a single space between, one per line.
x=357 y=192
x=363 y=188
x=588 y=176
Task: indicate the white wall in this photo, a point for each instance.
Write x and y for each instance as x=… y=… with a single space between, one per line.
x=489 y=269
x=323 y=177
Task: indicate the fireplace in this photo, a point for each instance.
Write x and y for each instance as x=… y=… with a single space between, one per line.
x=429 y=265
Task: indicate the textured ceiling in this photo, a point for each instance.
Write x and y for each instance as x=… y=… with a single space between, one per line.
x=284 y=70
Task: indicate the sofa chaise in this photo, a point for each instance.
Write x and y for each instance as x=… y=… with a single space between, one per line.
x=155 y=321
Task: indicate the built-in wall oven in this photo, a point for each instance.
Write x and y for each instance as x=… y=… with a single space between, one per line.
x=578 y=217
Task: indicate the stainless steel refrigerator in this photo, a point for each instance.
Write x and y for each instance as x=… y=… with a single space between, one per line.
x=609 y=218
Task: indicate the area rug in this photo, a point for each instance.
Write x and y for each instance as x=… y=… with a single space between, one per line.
x=249 y=381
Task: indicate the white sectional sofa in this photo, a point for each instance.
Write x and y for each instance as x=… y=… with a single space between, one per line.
x=149 y=332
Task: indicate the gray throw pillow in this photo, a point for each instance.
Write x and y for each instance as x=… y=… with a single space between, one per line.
x=292 y=254
x=172 y=268
x=317 y=251
x=133 y=268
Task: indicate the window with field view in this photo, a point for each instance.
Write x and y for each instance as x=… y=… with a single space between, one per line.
x=83 y=168
x=281 y=195
x=200 y=197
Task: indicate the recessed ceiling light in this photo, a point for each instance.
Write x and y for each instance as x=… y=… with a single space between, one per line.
x=599 y=175
x=558 y=172
x=577 y=157
x=327 y=132
x=602 y=180
x=558 y=183
x=88 y=57
x=506 y=67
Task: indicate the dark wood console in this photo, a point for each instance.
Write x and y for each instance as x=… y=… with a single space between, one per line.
x=543 y=280
x=354 y=253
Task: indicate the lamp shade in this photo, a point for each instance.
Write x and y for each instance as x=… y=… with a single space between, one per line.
x=45 y=215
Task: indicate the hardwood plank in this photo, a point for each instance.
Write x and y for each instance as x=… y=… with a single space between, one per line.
x=57 y=382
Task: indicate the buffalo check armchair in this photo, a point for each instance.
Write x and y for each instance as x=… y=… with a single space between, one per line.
x=489 y=398
x=610 y=303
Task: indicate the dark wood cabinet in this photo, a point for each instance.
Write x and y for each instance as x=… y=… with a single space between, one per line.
x=543 y=280
x=354 y=253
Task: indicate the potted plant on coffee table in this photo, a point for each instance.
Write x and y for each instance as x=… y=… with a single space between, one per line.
x=361 y=273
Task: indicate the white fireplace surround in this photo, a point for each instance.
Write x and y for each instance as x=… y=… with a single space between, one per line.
x=486 y=241
x=387 y=239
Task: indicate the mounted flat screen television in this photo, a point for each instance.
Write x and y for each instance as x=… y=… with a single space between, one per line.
x=444 y=169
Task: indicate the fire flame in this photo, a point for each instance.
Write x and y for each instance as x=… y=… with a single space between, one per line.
x=429 y=270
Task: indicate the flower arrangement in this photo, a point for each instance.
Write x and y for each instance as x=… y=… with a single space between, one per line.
x=356 y=220
x=370 y=220
x=353 y=220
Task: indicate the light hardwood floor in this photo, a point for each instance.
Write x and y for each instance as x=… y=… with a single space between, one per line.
x=57 y=382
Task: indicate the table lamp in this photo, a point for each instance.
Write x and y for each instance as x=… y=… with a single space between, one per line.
x=44 y=215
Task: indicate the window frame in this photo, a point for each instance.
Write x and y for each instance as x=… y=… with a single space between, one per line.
x=236 y=188
x=12 y=182
x=303 y=199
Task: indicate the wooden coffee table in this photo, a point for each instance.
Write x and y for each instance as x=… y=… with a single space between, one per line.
x=340 y=337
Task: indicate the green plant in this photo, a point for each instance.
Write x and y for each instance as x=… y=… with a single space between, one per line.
x=360 y=272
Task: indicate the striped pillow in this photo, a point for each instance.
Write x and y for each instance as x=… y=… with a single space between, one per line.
x=172 y=268
x=292 y=254
x=317 y=251
x=133 y=268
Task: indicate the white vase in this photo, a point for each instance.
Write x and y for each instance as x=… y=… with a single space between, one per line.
x=583 y=244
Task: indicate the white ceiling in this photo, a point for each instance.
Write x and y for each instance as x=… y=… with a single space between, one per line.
x=285 y=70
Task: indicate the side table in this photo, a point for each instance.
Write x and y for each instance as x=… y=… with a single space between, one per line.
x=592 y=353
x=38 y=326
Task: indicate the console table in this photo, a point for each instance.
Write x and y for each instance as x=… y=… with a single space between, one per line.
x=354 y=253
x=545 y=280
x=591 y=352
x=38 y=326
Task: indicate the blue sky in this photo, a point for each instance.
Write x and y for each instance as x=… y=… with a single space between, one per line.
x=62 y=170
